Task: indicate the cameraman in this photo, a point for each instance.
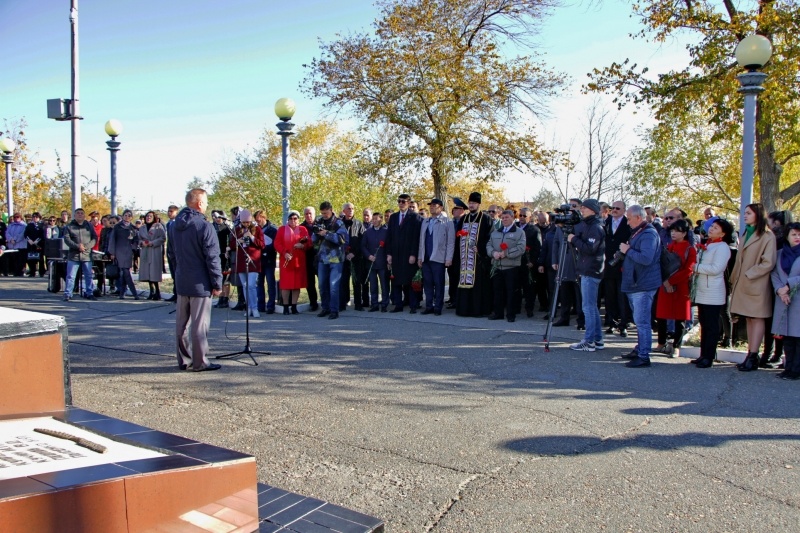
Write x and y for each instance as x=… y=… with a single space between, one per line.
x=589 y=240
x=330 y=233
x=569 y=295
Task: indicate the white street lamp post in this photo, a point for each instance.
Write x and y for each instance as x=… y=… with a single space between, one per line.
x=113 y=129
x=7 y=146
x=284 y=108
x=752 y=53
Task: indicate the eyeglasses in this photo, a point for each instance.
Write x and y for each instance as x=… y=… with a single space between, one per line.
x=491 y=212
x=127 y=215
x=669 y=218
x=574 y=206
x=616 y=209
x=402 y=201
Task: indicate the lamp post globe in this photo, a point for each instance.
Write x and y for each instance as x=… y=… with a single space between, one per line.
x=7 y=146
x=752 y=53
x=113 y=128
x=285 y=109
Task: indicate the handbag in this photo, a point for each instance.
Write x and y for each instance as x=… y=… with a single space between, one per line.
x=670 y=263
x=112 y=271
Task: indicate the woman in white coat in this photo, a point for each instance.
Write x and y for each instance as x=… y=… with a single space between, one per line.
x=708 y=288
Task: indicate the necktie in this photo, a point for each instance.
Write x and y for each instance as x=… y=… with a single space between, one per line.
x=402 y=218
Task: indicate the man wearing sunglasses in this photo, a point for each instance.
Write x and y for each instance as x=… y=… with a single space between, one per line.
x=618 y=310
x=402 y=248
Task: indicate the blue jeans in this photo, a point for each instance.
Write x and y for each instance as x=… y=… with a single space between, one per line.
x=72 y=271
x=267 y=274
x=641 y=305
x=433 y=284
x=594 y=326
x=249 y=280
x=329 y=274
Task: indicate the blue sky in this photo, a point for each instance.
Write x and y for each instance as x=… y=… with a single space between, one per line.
x=195 y=81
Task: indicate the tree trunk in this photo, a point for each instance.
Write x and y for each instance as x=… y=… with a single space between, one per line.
x=439 y=185
x=769 y=171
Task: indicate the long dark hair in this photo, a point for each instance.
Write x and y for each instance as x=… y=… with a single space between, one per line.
x=761 y=218
x=727 y=230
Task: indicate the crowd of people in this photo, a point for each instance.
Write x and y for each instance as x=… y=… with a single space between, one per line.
x=661 y=274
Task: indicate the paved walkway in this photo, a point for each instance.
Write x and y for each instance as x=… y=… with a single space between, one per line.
x=449 y=424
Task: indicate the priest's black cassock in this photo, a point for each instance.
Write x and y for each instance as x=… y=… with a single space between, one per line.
x=474 y=297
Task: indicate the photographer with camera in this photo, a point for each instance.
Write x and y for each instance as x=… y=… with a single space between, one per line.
x=589 y=239
x=248 y=241
x=332 y=236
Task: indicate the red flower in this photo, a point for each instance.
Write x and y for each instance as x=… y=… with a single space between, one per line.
x=462 y=233
x=527 y=248
x=701 y=246
x=503 y=246
x=380 y=244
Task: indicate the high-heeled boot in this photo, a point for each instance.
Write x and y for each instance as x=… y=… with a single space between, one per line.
x=750 y=363
x=158 y=292
x=285 y=309
x=152 y=295
x=294 y=309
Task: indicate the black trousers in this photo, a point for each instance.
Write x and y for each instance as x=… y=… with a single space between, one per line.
x=791 y=349
x=352 y=270
x=527 y=284
x=453 y=272
x=569 y=296
x=505 y=285
x=311 y=280
x=542 y=289
x=709 y=317
x=617 y=307
x=662 y=332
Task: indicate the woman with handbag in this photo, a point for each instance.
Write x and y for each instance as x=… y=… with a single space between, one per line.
x=121 y=243
x=751 y=291
x=673 y=301
x=708 y=287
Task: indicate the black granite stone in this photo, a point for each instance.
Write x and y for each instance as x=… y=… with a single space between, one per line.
x=79 y=476
x=268 y=527
x=321 y=518
x=304 y=526
x=297 y=511
x=112 y=426
x=21 y=486
x=209 y=453
x=276 y=506
x=159 y=464
x=270 y=495
x=75 y=414
x=352 y=516
x=158 y=439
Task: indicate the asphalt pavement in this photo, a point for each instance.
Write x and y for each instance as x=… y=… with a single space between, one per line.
x=452 y=424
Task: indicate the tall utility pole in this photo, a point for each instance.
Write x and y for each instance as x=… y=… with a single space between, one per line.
x=75 y=115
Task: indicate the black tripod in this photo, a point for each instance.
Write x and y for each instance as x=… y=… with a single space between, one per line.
x=247 y=350
x=562 y=256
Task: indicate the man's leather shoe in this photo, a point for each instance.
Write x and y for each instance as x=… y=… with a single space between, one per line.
x=634 y=354
x=511 y=319
x=623 y=332
x=437 y=313
x=561 y=323
x=373 y=308
x=529 y=313
x=427 y=311
x=240 y=307
x=314 y=307
x=270 y=311
x=704 y=363
x=638 y=363
x=383 y=310
x=359 y=308
x=495 y=317
x=173 y=298
x=396 y=309
x=323 y=313
x=451 y=306
x=610 y=330
x=412 y=311
x=333 y=316
x=580 y=327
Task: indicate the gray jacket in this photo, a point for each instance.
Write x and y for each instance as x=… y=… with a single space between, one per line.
x=784 y=319
x=444 y=239
x=514 y=238
x=121 y=241
x=76 y=234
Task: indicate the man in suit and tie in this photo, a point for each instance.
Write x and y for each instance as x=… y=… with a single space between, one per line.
x=618 y=310
x=402 y=247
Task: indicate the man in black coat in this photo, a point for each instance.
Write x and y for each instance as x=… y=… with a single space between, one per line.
x=533 y=246
x=402 y=246
x=351 y=268
x=34 y=233
x=459 y=207
x=618 y=310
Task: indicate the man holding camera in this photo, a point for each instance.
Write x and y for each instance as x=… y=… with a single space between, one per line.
x=333 y=238
x=589 y=240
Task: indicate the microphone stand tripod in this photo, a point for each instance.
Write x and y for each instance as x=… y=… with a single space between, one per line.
x=247 y=350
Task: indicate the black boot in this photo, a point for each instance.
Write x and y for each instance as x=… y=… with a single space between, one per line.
x=294 y=310
x=750 y=363
x=285 y=309
x=158 y=292
x=222 y=303
x=764 y=361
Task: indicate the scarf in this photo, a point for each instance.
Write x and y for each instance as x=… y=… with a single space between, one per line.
x=788 y=256
x=748 y=232
x=150 y=225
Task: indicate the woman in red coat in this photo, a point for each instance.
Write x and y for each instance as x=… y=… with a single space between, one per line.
x=291 y=243
x=673 y=295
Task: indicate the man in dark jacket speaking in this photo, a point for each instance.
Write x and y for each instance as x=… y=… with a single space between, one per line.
x=589 y=240
x=193 y=248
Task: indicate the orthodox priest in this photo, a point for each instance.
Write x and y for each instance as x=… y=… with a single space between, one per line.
x=474 y=297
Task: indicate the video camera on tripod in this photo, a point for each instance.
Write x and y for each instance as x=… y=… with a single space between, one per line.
x=565 y=216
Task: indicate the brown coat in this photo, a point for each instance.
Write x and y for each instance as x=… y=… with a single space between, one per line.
x=751 y=288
